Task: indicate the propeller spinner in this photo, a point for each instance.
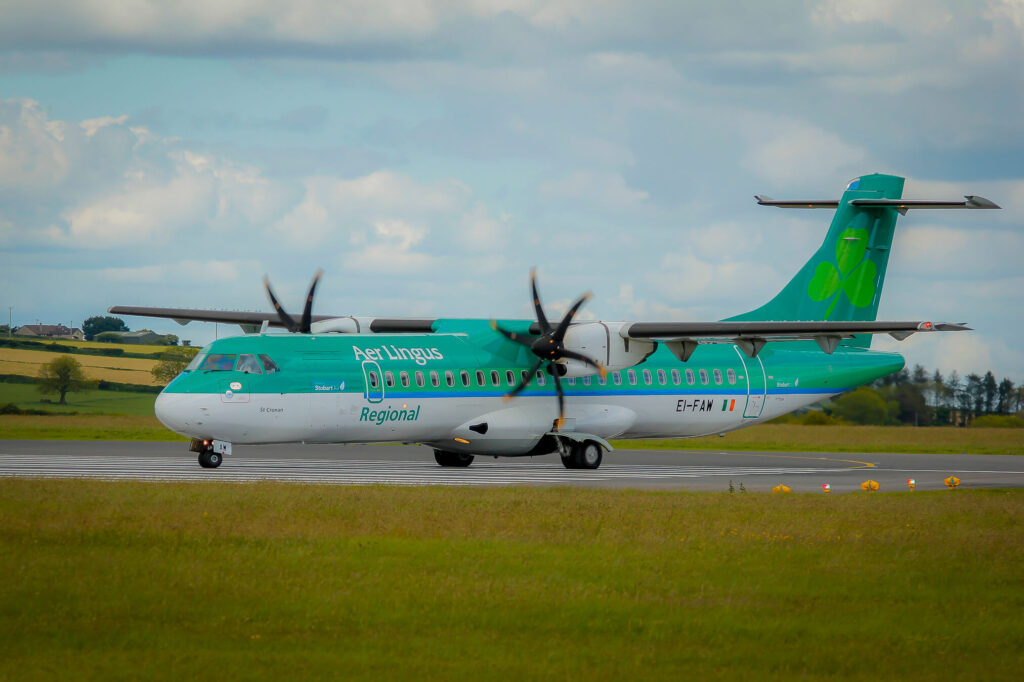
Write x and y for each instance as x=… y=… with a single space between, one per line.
x=287 y=321
x=549 y=347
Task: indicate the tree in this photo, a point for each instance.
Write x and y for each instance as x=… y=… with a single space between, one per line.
x=919 y=375
x=1005 y=396
x=97 y=324
x=864 y=406
x=63 y=375
x=988 y=390
x=172 y=362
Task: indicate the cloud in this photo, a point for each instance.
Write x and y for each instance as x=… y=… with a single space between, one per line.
x=791 y=157
x=604 y=189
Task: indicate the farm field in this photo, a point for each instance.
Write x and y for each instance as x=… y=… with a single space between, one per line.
x=27 y=396
x=210 y=580
x=120 y=370
x=126 y=347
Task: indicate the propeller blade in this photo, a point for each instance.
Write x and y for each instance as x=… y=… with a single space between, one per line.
x=512 y=336
x=585 y=360
x=525 y=382
x=545 y=326
x=561 y=400
x=563 y=326
x=286 y=319
x=307 y=312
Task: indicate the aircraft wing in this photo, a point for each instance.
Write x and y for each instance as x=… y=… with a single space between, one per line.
x=683 y=337
x=252 y=321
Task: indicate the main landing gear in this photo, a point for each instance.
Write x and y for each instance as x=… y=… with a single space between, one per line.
x=584 y=455
x=452 y=459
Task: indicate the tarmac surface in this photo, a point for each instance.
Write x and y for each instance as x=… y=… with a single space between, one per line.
x=414 y=465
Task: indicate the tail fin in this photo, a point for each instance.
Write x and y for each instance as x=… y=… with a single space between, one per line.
x=843 y=279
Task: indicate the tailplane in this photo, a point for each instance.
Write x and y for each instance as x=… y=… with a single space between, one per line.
x=843 y=280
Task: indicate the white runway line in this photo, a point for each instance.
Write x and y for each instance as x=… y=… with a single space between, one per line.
x=355 y=472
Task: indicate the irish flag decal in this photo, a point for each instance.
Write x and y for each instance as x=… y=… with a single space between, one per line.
x=728 y=405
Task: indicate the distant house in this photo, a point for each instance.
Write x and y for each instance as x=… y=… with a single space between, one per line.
x=143 y=337
x=49 y=331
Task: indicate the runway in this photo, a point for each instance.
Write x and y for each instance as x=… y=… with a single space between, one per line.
x=414 y=465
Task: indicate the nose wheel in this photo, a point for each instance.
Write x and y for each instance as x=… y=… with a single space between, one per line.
x=208 y=459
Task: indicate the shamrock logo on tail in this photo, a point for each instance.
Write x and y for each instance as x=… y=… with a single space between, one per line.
x=852 y=273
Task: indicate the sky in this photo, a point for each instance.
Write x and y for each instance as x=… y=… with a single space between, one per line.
x=426 y=154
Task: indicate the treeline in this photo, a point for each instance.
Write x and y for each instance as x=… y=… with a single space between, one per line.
x=920 y=398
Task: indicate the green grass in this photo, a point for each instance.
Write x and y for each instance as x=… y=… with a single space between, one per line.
x=800 y=438
x=27 y=396
x=268 y=581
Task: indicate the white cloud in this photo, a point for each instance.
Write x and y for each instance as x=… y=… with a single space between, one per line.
x=789 y=158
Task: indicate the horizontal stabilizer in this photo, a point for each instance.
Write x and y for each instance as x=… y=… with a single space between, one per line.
x=901 y=205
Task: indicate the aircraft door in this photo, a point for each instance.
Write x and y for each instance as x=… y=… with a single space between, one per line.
x=757 y=385
x=373 y=382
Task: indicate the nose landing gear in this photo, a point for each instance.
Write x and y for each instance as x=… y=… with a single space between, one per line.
x=211 y=452
x=208 y=459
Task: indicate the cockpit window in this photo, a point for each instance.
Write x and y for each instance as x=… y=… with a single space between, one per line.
x=199 y=357
x=269 y=365
x=248 y=364
x=216 y=362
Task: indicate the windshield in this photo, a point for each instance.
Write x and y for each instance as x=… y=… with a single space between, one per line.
x=216 y=362
x=196 y=359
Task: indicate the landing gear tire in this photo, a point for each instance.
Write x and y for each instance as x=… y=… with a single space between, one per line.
x=452 y=459
x=208 y=459
x=587 y=455
x=569 y=460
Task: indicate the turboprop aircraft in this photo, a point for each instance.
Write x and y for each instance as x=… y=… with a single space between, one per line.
x=510 y=388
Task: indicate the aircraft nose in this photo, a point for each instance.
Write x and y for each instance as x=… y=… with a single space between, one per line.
x=173 y=411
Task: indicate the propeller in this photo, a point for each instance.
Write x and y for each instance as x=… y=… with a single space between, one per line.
x=549 y=347
x=287 y=321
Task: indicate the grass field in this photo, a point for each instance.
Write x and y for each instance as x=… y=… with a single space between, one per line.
x=217 y=581
x=121 y=370
x=27 y=396
x=797 y=438
x=126 y=347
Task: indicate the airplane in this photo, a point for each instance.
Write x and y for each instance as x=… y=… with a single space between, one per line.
x=513 y=387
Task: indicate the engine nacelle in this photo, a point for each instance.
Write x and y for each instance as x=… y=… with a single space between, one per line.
x=342 y=325
x=601 y=341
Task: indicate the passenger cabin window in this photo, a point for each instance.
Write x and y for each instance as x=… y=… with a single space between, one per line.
x=404 y=378
x=572 y=381
x=215 y=362
x=389 y=379
x=419 y=379
x=464 y=377
x=647 y=376
x=511 y=376
x=718 y=377
x=449 y=378
x=435 y=380
x=617 y=378
x=602 y=379
x=480 y=377
x=374 y=380
x=631 y=375
x=731 y=374
x=689 y=377
x=269 y=366
x=586 y=380
x=541 y=379
x=675 y=377
x=704 y=376
x=495 y=378
x=661 y=377
x=248 y=364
